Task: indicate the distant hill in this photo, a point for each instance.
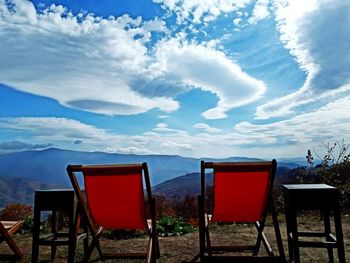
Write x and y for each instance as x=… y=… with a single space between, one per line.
x=31 y=170
x=49 y=165
x=20 y=190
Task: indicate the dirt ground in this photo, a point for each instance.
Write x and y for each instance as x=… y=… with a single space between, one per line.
x=184 y=248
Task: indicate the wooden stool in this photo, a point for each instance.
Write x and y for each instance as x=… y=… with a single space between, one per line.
x=54 y=201
x=320 y=197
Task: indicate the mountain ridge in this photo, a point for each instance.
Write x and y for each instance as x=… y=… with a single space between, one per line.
x=45 y=169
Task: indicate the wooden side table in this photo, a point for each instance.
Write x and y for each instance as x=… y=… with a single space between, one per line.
x=320 y=197
x=54 y=201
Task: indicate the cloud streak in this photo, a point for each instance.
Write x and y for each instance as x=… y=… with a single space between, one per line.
x=316 y=34
x=84 y=62
x=283 y=138
x=210 y=70
x=112 y=66
x=201 y=11
x=10 y=146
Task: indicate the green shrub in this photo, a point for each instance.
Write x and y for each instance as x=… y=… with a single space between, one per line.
x=27 y=225
x=172 y=226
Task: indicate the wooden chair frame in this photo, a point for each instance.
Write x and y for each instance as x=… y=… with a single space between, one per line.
x=7 y=228
x=207 y=251
x=96 y=231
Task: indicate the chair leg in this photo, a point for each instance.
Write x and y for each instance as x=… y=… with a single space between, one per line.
x=72 y=239
x=260 y=228
x=339 y=235
x=150 y=251
x=54 y=232
x=327 y=230
x=207 y=235
x=201 y=231
x=157 y=246
x=94 y=243
x=153 y=249
x=295 y=241
x=278 y=233
x=36 y=233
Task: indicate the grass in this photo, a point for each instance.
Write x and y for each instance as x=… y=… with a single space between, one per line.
x=184 y=248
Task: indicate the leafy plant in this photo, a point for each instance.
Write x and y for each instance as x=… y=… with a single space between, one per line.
x=173 y=226
x=27 y=225
x=333 y=169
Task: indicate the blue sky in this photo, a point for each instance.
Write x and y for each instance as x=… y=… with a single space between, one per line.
x=214 y=78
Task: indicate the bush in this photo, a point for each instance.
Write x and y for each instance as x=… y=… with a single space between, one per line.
x=14 y=212
x=172 y=226
x=27 y=225
x=186 y=207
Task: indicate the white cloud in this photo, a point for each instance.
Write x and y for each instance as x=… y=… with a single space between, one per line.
x=204 y=10
x=129 y=150
x=237 y=21
x=202 y=67
x=163 y=127
x=10 y=146
x=163 y=116
x=106 y=66
x=316 y=34
x=176 y=146
x=285 y=138
x=260 y=11
x=51 y=128
x=72 y=134
x=83 y=62
x=206 y=127
x=328 y=123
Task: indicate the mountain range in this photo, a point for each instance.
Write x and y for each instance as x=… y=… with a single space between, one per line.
x=21 y=173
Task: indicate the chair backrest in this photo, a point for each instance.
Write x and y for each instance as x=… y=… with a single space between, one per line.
x=240 y=190
x=114 y=194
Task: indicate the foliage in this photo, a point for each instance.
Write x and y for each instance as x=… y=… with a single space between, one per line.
x=186 y=208
x=163 y=207
x=334 y=169
x=27 y=225
x=13 y=212
x=172 y=226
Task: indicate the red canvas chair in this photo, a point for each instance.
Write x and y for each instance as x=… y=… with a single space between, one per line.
x=7 y=228
x=241 y=194
x=115 y=200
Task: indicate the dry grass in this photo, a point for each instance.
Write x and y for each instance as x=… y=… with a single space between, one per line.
x=184 y=248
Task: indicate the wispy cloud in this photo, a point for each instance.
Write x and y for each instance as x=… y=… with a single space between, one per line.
x=206 y=127
x=260 y=11
x=328 y=123
x=111 y=66
x=10 y=146
x=81 y=61
x=292 y=136
x=201 y=11
x=52 y=128
x=205 y=68
x=316 y=34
